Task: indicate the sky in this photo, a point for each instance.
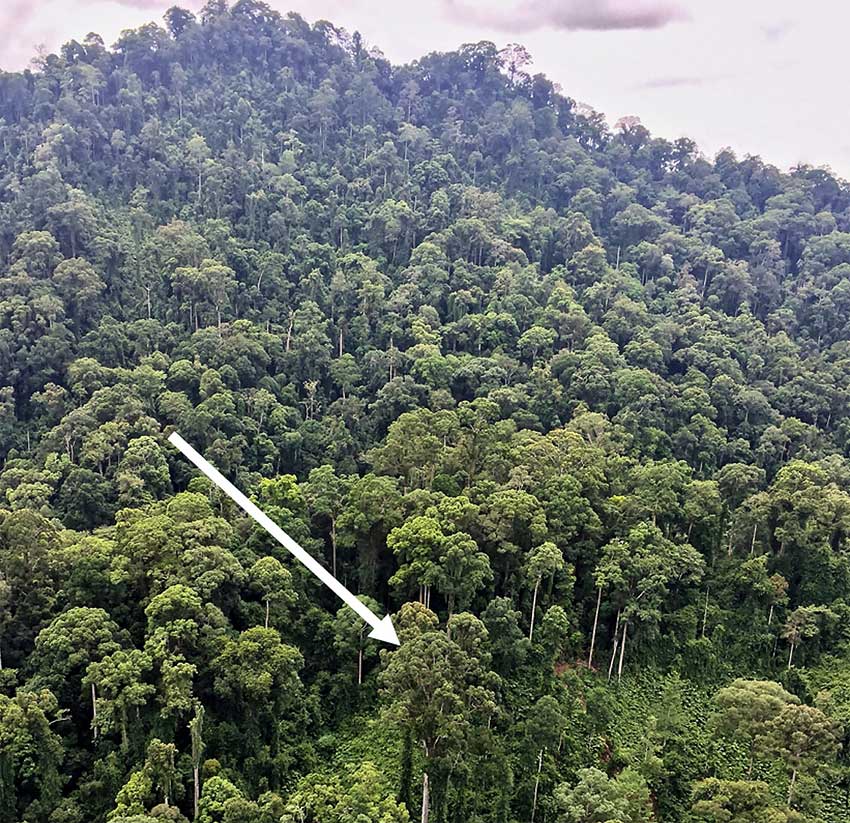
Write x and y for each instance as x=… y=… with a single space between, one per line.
x=759 y=76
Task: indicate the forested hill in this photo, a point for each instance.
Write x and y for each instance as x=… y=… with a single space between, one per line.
x=570 y=403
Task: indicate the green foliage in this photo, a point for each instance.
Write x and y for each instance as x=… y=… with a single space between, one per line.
x=580 y=392
x=596 y=798
x=740 y=800
x=31 y=756
x=364 y=796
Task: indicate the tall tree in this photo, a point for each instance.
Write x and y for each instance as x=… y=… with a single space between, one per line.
x=433 y=689
x=544 y=560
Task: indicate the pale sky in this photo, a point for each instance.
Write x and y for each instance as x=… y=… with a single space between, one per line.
x=760 y=76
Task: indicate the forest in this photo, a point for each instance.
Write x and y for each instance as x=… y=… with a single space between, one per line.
x=569 y=401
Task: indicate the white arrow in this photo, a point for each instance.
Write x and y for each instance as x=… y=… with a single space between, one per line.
x=381 y=629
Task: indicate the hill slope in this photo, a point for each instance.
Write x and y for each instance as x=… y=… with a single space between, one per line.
x=571 y=403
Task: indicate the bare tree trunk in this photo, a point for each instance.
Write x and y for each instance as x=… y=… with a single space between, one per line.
x=790 y=655
x=791 y=786
x=360 y=666
x=595 y=624
x=94 y=711
x=426 y=798
x=196 y=796
x=536 y=784
x=333 y=545
x=622 y=650
x=267 y=613
x=705 y=612
x=616 y=645
x=533 y=609
x=289 y=332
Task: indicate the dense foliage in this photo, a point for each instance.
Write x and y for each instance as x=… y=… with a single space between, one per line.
x=573 y=404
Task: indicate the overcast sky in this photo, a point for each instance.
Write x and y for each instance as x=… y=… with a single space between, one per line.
x=761 y=76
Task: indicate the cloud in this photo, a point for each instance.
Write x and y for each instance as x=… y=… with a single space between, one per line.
x=670 y=82
x=776 y=31
x=15 y=14
x=571 y=15
x=21 y=17
x=52 y=22
x=160 y=6
x=143 y=4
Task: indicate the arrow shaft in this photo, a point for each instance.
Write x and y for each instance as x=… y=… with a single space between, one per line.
x=252 y=510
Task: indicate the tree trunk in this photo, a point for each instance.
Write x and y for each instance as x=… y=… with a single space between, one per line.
x=790 y=655
x=360 y=666
x=125 y=734
x=616 y=645
x=536 y=784
x=426 y=798
x=595 y=624
x=333 y=545
x=533 y=609
x=196 y=796
x=622 y=650
x=267 y=613
x=94 y=711
x=791 y=786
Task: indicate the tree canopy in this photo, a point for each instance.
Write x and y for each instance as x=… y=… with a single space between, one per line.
x=568 y=400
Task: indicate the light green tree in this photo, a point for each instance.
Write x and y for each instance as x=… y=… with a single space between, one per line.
x=273 y=583
x=545 y=560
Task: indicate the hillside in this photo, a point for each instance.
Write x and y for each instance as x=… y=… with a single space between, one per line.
x=571 y=403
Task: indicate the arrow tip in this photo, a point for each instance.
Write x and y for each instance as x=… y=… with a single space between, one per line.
x=385 y=631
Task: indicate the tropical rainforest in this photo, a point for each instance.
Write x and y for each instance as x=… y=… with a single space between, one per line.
x=569 y=401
